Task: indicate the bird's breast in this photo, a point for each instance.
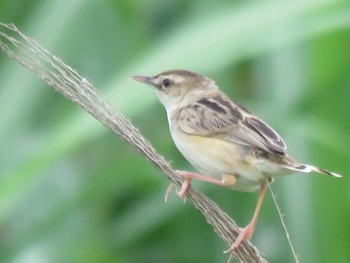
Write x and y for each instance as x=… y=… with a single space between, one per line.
x=214 y=157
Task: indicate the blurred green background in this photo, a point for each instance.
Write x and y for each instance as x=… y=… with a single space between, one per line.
x=71 y=191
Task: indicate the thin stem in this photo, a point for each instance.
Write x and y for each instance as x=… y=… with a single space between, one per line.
x=295 y=256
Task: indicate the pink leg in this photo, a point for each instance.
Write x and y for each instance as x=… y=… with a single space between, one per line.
x=182 y=191
x=199 y=177
x=247 y=232
x=184 y=188
x=227 y=179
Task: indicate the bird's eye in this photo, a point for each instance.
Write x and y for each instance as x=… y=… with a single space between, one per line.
x=166 y=83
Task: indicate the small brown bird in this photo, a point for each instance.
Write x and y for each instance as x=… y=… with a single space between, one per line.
x=228 y=144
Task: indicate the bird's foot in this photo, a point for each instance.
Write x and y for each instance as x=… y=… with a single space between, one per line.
x=186 y=183
x=245 y=234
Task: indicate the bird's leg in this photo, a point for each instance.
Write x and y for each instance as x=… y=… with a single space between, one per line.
x=184 y=187
x=247 y=232
x=227 y=180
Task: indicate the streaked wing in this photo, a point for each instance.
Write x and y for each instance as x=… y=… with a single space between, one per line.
x=227 y=120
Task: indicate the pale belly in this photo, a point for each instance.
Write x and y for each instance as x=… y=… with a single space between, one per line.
x=215 y=157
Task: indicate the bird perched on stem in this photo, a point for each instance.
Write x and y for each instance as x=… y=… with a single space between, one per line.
x=227 y=144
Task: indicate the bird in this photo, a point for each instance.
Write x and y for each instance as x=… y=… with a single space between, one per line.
x=224 y=141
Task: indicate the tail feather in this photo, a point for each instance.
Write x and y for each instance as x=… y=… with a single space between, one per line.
x=305 y=168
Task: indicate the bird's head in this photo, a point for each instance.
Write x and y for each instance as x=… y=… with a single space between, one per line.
x=175 y=87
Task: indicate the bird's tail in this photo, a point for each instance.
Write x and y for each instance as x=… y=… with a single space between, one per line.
x=305 y=168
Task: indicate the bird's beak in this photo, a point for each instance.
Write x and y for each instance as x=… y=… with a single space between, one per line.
x=144 y=79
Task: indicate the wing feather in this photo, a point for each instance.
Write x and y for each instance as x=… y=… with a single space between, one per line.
x=224 y=119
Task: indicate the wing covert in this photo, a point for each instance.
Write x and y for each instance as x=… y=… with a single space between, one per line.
x=218 y=116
